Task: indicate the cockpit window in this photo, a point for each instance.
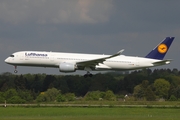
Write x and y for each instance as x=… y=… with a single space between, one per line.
x=11 y=55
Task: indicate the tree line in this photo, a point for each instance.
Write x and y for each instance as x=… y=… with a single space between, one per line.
x=143 y=84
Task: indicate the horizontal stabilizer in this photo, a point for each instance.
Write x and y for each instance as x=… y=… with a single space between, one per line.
x=162 y=62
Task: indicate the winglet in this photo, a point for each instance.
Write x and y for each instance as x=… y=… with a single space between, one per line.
x=161 y=49
x=118 y=53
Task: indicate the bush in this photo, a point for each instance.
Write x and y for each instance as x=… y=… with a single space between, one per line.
x=41 y=98
x=15 y=100
x=61 y=98
x=98 y=95
x=172 y=98
x=52 y=94
x=94 y=95
x=48 y=96
x=25 y=95
x=110 y=96
x=2 y=99
x=10 y=93
x=70 y=96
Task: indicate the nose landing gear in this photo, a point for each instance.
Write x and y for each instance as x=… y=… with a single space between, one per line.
x=15 y=71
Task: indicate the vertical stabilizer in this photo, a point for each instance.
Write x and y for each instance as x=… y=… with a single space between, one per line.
x=161 y=49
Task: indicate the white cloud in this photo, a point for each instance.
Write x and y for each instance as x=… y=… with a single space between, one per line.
x=55 y=11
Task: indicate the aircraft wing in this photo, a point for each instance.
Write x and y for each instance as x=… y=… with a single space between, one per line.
x=162 y=62
x=94 y=62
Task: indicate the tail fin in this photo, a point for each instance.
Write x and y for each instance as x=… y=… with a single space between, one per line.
x=161 y=49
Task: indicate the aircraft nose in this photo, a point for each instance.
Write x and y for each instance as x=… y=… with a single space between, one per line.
x=6 y=60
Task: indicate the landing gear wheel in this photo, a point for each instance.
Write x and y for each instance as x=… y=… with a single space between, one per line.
x=88 y=75
x=15 y=71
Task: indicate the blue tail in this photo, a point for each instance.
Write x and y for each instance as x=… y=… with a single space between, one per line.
x=161 y=49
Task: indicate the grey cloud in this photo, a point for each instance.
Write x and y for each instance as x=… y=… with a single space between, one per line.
x=55 y=11
x=147 y=15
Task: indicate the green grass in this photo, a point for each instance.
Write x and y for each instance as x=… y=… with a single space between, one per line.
x=172 y=103
x=87 y=113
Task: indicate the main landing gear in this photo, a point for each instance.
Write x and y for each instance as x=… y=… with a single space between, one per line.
x=15 y=71
x=88 y=74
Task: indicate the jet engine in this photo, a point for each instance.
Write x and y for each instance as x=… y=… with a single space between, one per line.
x=67 y=67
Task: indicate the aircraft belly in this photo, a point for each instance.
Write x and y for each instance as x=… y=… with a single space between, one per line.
x=36 y=63
x=116 y=66
x=128 y=66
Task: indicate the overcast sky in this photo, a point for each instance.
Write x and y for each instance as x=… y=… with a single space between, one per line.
x=87 y=26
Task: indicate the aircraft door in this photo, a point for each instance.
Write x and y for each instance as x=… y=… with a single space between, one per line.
x=137 y=62
x=51 y=58
x=21 y=56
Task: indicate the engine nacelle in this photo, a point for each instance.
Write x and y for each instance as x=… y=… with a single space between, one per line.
x=67 y=67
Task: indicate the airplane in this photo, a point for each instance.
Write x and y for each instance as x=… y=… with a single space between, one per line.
x=70 y=62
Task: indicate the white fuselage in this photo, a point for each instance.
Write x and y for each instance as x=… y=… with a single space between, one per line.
x=54 y=59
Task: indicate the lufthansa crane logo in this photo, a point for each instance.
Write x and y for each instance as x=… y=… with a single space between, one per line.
x=162 y=48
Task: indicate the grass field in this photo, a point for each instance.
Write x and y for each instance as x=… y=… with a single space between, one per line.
x=88 y=113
